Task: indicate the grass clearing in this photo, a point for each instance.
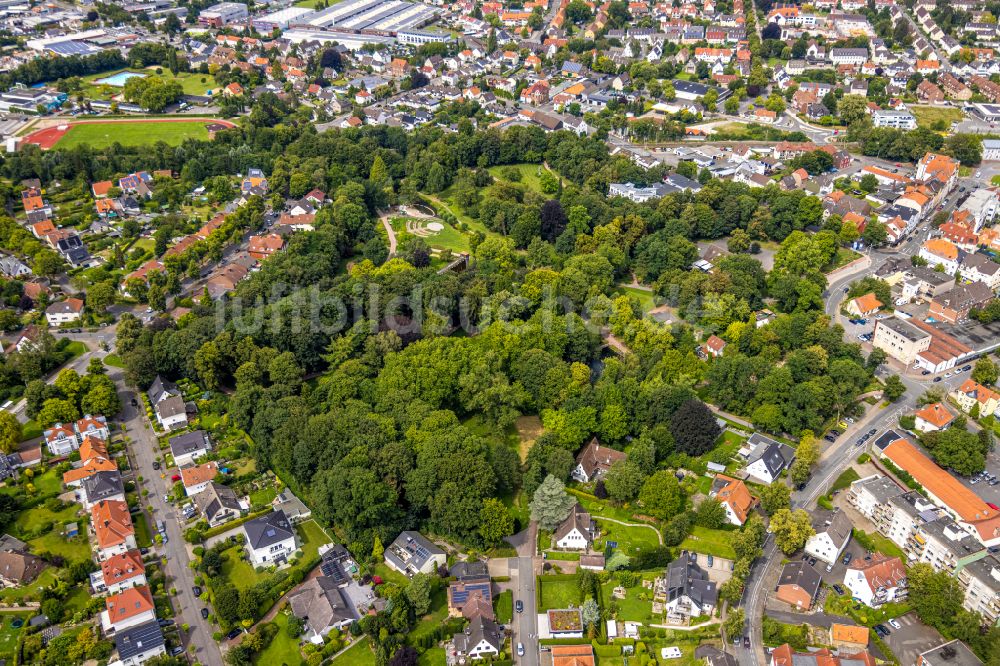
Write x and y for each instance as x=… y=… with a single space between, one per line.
x=877 y=542
x=561 y=592
x=927 y=116
x=31 y=430
x=710 y=542
x=238 y=572
x=530 y=174
x=105 y=135
x=846 y=478
x=644 y=297
x=529 y=428
x=630 y=539
x=114 y=361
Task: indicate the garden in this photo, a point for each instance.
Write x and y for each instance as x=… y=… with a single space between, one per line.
x=558 y=591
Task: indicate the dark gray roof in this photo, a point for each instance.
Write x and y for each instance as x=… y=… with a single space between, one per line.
x=161 y=388
x=802 y=574
x=685 y=578
x=415 y=547
x=102 y=485
x=479 y=629
x=835 y=524
x=953 y=653
x=475 y=569
x=775 y=456
x=268 y=530
x=138 y=639
x=216 y=497
x=189 y=442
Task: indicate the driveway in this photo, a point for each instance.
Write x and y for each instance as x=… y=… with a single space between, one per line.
x=912 y=638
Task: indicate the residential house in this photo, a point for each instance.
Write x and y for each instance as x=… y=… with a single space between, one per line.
x=864 y=306
x=832 y=532
x=119 y=572
x=972 y=395
x=481 y=638
x=766 y=458
x=323 y=604
x=61 y=439
x=784 y=655
x=714 y=346
x=93 y=458
x=734 y=496
x=138 y=644
x=262 y=247
x=218 y=504
x=976 y=267
x=954 y=305
x=64 y=312
x=17 y=566
x=849 y=639
x=471 y=597
x=877 y=581
x=594 y=461
x=190 y=446
x=577 y=531
x=270 y=539
x=168 y=404
x=114 y=532
x=798 y=585
x=128 y=608
x=197 y=478
x=101 y=486
x=689 y=591
x=932 y=417
x=413 y=553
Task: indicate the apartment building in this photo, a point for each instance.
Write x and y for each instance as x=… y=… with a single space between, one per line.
x=981 y=581
x=900 y=339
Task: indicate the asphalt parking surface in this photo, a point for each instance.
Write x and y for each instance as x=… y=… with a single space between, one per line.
x=912 y=638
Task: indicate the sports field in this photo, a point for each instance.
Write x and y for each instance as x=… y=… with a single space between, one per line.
x=136 y=132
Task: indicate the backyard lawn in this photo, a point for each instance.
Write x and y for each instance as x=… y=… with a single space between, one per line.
x=142 y=536
x=559 y=592
x=709 y=541
x=237 y=571
x=114 y=361
x=430 y=622
x=76 y=549
x=359 y=654
x=629 y=539
x=13 y=595
x=28 y=521
x=637 y=606
x=8 y=634
x=433 y=657
x=283 y=649
x=48 y=484
x=263 y=496
x=389 y=575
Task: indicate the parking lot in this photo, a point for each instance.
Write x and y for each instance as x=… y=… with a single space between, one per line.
x=982 y=488
x=911 y=639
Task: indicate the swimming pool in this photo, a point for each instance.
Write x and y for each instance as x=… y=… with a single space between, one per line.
x=118 y=80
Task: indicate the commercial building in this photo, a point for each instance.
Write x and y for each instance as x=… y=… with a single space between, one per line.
x=280 y=19
x=991 y=150
x=224 y=13
x=900 y=339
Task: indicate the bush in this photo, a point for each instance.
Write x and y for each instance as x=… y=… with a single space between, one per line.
x=863 y=458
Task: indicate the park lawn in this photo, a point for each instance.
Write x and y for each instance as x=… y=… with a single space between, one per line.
x=446 y=201
x=238 y=572
x=709 y=541
x=433 y=657
x=358 y=654
x=8 y=634
x=928 y=115
x=561 y=592
x=529 y=174
x=637 y=606
x=503 y=606
x=644 y=297
x=104 y=135
x=448 y=238
x=32 y=592
x=630 y=539
x=192 y=83
x=283 y=649
x=844 y=257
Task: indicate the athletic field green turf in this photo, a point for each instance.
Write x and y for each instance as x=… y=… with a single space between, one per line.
x=102 y=135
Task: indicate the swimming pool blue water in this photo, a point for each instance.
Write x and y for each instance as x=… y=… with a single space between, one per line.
x=118 y=80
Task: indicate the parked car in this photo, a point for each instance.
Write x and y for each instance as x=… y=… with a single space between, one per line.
x=847 y=559
x=519 y=606
x=746 y=642
x=937 y=379
x=196 y=591
x=175 y=478
x=156 y=464
x=204 y=613
x=520 y=649
x=894 y=624
x=872 y=432
x=838 y=589
x=966 y=368
x=233 y=634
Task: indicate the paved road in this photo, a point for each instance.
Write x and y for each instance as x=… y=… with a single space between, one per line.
x=142 y=451
x=525 y=623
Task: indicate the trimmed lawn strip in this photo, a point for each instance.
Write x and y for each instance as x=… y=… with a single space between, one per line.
x=358 y=654
x=558 y=592
x=503 y=606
